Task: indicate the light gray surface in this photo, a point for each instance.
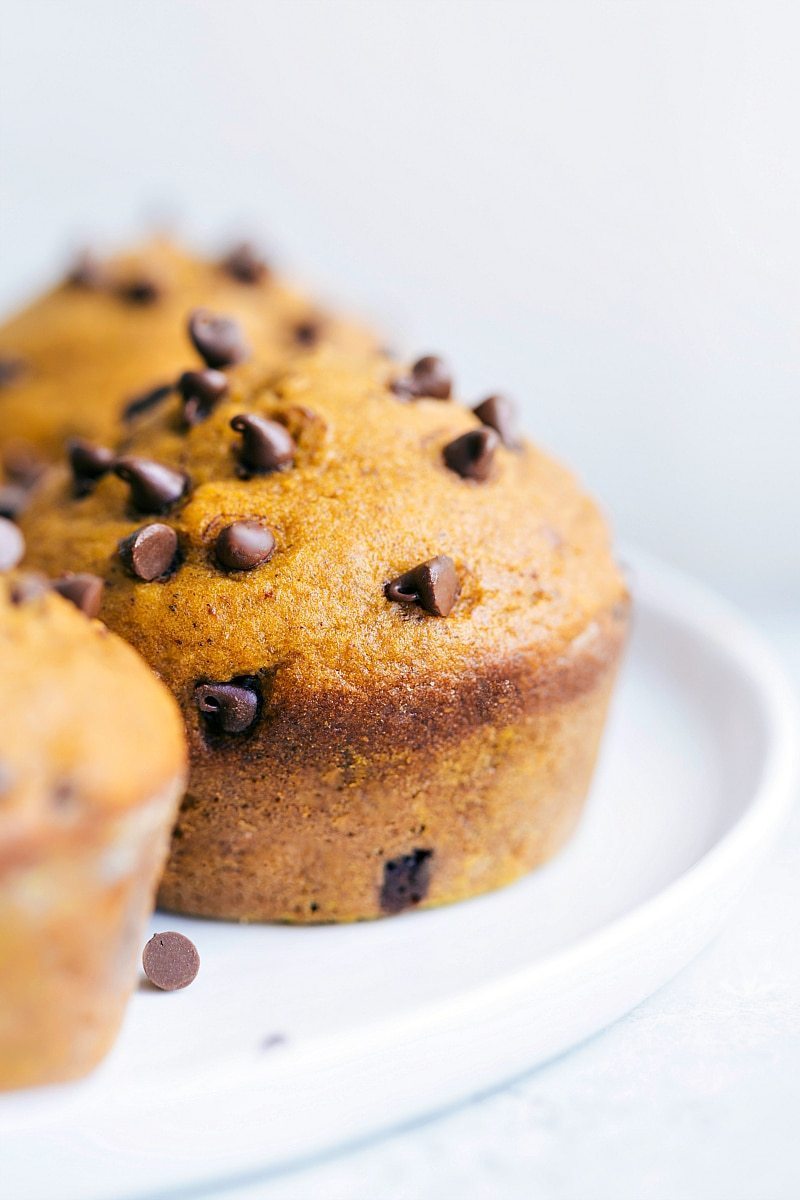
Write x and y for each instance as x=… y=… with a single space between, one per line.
x=694 y=1096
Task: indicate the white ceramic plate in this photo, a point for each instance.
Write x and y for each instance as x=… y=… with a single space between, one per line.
x=386 y=1022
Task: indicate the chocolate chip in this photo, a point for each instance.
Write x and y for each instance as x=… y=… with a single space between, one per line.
x=245 y=264
x=83 y=590
x=154 y=487
x=12 y=544
x=13 y=498
x=201 y=391
x=10 y=370
x=140 y=289
x=147 y=400
x=406 y=880
x=87 y=272
x=219 y=340
x=170 y=961
x=428 y=377
x=500 y=415
x=433 y=585
x=244 y=545
x=266 y=445
x=307 y=333
x=471 y=455
x=88 y=464
x=149 y=553
x=228 y=707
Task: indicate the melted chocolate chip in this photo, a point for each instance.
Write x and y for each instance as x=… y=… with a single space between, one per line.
x=499 y=414
x=170 y=961
x=245 y=264
x=201 y=391
x=88 y=464
x=87 y=272
x=83 y=590
x=428 y=377
x=471 y=455
x=244 y=545
x=149 y=553
x=406 y=880
x=147 y=400
x=228 y=707
x=13 y=498
x=11 y=369
x=266 y=445
x=12 y=544
x=219 y=340
x=154 y=488
x=140 y=289
x=433 y=586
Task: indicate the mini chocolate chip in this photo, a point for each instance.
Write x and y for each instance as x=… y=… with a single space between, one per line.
x=244 y=545
x=170 y=961
x=87 y=272
x=406 y=880
x=500 y=415
x=10 y=370
x=428 y=377
x=219 y=340
x=433 y=585
x=245 y=264
x=30 y=586
x=227 y=707
x=201 y=391
x=308 y=332
x=154 y=487
x=84 y=590
x=140 y=289
x=149 y=552
x=88 y=463
x=471 y=455
x=145 y=401
x=12 y=544
x=266 y=445
x=13 y=498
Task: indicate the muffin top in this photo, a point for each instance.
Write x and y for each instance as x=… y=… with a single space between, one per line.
x=87 y=728
x=112 y=334
x=335 y=529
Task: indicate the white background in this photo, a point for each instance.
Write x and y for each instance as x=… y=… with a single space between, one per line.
x=595 y=206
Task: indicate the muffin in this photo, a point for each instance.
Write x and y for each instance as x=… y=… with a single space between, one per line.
x=108 y=342
x=92 y=765
x=392 y=625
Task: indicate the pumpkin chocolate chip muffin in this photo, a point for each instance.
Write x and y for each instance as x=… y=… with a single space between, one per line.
x=393 y=628
x=92 y=765
x=107 y=344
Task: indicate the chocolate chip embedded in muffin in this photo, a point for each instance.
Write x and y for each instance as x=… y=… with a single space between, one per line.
x=219 y=340
x=11 y=369
x=433 y=585
x=88 y=463
x=87 y=272
x=170 y=961
x=154 y=487
x=83 y=590
x=145 y=401
x=472 y=454
x=228 y=707
x=499 y=414
x=245 y=264
x=244 y=545
x=140 y=289
x=266 y=445
x=149 y=553
x=406 y=880
x=12 y=544
x=201 y=392
x=429 y=377
x=307 y=332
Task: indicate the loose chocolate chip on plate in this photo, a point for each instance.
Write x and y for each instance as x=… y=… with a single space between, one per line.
x=471 y=455
x=13 y=498
x=406 y=880
x=147 y=400
x=149 y=553
x=433 y=585
x=88 y=463
x=83 y=590
x=140 y=289
x=154 y=487
x=244 y=545
x=227 y=707
x=12 y=544
x=201 y=391
x=10 y=370
x=499 y=414
x=219 y=340
x=266 y=445
x=245 y=264
x=428 y=377
x=170 y=961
